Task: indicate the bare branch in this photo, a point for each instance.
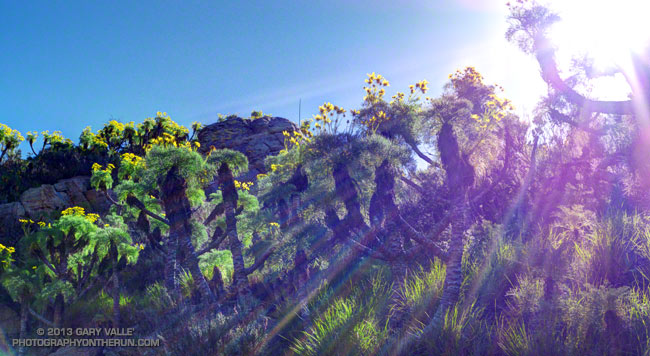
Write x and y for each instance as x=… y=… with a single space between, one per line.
x=40 y=317
x=545 y=55
x=135 y=202
x=215 y=242
x=372 y=253
x=218 y=210
x=259 y=262
x=412 y=184
x=415 y=235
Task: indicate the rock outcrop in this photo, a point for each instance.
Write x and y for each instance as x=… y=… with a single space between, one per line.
x=40 y=203
x=257 y=139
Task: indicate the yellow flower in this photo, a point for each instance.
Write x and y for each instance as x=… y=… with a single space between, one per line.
x=274 y=224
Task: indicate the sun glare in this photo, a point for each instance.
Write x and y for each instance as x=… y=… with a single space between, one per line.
x=607 y=31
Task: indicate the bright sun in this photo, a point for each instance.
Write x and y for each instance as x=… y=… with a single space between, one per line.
x=607 y=31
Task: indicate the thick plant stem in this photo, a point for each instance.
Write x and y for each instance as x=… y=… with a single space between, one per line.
x=171 y=268
x=178 y=212
x=116 y=299
x=454 y=277
x=230 y=197
x=24 y=314
x=193 y=264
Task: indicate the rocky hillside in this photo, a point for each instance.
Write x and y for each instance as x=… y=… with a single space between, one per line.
x=257 y=139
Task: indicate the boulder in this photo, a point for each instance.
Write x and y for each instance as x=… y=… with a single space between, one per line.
x=73 y=189
x=257 y=139
x=41 y=201
x=97 y=200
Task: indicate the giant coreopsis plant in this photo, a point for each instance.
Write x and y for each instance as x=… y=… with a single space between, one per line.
x=166 y=186
x=167 y=179
x=58 y=263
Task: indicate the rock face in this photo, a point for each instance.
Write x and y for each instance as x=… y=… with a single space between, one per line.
x=41 y=202
x=257 y=139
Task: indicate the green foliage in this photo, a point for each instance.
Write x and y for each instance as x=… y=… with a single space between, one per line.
x=218 y=258
x=463 y=332
x=423 y=288
x=258 y=115
x=237 y=162
x=157 y=298
x=9 y=141
x=346 y=324
x=160 y=159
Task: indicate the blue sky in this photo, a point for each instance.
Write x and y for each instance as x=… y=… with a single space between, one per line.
x=70 y=64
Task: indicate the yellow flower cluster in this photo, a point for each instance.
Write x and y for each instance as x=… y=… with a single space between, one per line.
x=99 y=142
x=130 y=164
x=375 y=90
x=165 y=139
x=495 y=109
x=8 y=249
x=75 y=210
x=32 y=136
x=55 y=137
x=274 y=224
x=79 y=211
x=243 y=185
x=10 y=138
x=97 y=167
x=399 y=97
x=421 y=85
x=30 y=221
x=296 y=138
x=169 y=140
x=115 y=125
x=468 y=75
x=499 y=104
x=375 y=121
x=131 y=158
x=328 y=118
x=139 y=245
x=377 y=78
